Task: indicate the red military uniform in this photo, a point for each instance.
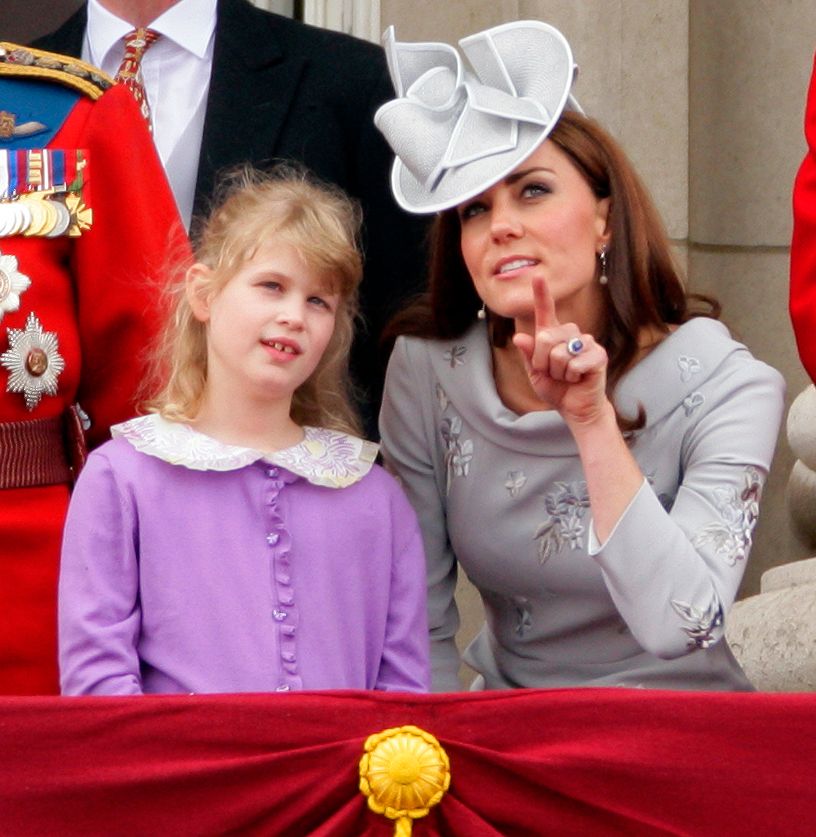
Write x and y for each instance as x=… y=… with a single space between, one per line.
x=79 y=302
x=803 y=245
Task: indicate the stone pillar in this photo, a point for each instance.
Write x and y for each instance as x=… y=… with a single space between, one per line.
x=749 y=66
x=802 y=484
x=360 y=18
x=773 y=635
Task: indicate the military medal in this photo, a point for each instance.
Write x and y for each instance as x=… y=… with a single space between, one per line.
x=51 y=219
x=15 y=217
x=81 y=215
x=33 y=361
x=23 y=218
x=8 y=214
x=63 y=219
x=12 y=284
x=41 y=193
x=39 y=218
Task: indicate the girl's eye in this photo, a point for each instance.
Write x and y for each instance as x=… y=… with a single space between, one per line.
x=535 y=190
x=470 y=210
x=270 y=285
x=319 y=302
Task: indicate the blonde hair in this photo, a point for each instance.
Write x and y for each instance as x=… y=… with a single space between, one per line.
x=253 y=209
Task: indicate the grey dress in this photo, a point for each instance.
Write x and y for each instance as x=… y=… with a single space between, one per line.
x=505 y=495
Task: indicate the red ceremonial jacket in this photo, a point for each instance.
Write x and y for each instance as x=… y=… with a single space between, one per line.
x=803 y=244
x=96 y=299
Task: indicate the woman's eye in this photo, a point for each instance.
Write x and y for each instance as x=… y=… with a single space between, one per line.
x=534 y=190
x=470 y=210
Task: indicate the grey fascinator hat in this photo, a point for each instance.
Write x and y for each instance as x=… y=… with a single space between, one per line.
x=456 y=129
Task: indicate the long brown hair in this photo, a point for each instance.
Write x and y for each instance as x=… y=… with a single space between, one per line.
x=645 y=288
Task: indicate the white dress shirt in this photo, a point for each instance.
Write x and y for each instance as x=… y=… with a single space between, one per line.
x=176 y=73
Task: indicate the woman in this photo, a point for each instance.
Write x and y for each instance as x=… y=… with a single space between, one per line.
x=592 y=449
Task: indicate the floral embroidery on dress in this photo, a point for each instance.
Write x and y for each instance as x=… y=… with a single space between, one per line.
x=459 y=451
x=688 y=366
x=454 y=356
x=177 y=443
x=702 y=624
x=441 y=398
x=324 y=457
x=692 y=402
x=731 y=537
x=566 y=506
x=515 y=482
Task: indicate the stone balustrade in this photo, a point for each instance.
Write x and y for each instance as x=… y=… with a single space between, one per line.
x=773 y=634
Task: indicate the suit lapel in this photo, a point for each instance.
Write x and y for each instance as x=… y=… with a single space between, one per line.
x=252 y=84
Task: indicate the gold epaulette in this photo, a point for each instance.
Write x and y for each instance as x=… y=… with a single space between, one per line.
x=25 y=62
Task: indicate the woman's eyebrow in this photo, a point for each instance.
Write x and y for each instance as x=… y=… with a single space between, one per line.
x=517 y=175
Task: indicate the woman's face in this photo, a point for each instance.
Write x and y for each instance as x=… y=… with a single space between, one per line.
x=540 y=220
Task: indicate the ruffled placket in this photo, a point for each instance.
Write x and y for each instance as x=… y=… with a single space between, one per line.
x=284 y=610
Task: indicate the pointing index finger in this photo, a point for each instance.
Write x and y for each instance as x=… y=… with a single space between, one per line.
x=543 y=305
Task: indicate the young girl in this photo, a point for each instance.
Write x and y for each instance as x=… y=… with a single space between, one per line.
x=239 y=538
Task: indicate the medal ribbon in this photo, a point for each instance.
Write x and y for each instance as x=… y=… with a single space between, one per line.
x=12 y=173
x=4 y=177
x=36 y=170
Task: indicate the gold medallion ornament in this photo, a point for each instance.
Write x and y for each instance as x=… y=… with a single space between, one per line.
x=81 y=215
x=41 y=216
x=404 y=773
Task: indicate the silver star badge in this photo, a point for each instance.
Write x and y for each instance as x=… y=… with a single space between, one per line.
x=33 y=362
x=12 y=284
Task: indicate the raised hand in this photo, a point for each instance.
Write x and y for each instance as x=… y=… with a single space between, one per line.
x=566 y=369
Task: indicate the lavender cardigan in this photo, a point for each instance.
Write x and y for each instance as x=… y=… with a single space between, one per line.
x=192 y=566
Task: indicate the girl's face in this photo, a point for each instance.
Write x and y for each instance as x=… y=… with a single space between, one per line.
x=541 y=220
x=268 y=326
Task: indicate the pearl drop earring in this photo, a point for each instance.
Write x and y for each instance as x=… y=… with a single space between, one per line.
x=603 y=278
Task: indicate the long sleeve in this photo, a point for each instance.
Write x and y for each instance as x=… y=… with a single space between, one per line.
x=674 y=575
x=99 y=614
x=803 y=243
x=404 y=665
x=118 y=264
x=406 y=427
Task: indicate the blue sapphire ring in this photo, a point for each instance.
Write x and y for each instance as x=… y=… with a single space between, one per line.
x=575 y=346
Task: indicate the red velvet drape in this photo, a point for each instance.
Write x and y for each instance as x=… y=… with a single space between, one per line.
x=566 y=762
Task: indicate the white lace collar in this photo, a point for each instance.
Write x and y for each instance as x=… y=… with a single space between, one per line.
x=324 y=457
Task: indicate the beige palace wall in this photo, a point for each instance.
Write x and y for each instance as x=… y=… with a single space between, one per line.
x=707 y=97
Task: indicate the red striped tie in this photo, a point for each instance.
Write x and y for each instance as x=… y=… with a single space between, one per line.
x=129 y=73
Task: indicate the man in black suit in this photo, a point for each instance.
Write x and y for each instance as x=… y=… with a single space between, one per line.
x=280 y=89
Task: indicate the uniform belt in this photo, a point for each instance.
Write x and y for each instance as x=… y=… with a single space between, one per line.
x=41 y=451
